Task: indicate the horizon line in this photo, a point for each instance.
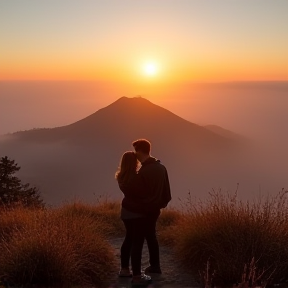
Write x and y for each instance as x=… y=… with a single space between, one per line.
x=126 y=82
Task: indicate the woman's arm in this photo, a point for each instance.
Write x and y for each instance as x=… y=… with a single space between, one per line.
x=134 y=189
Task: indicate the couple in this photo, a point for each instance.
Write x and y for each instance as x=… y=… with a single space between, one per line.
x=146 y=190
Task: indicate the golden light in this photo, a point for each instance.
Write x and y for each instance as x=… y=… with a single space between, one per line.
x=150 y=69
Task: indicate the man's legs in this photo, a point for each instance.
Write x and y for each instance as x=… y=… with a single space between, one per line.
x=139 y=225
x=152 y=243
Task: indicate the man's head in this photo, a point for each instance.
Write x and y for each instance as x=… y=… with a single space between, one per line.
x=142 y=149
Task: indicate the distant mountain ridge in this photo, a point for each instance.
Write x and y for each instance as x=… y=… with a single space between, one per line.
x=79 y=160
x=132 y=116
x=224 y=132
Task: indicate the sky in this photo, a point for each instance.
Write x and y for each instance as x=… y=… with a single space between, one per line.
x=181 y=40
x=219 y=62
x=61 y=61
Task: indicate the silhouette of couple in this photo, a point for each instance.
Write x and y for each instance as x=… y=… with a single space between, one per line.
x=146 y=191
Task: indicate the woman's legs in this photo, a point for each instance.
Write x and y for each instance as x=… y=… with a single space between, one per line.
x=137 y=245
x=136 y=230
x=127 y=243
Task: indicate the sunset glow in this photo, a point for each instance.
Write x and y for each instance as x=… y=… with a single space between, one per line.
x=194 y=40
x=150 y=69
x=204 y=81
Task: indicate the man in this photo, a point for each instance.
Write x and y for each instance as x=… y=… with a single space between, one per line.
x=156 y=182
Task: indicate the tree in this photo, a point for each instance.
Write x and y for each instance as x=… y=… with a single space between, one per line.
x=13 y=191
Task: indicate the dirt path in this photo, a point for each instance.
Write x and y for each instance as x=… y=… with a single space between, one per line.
x=172 y=275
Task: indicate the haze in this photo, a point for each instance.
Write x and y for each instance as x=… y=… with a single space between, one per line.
x=221 y=63
x=257 y=110
x=79 y=160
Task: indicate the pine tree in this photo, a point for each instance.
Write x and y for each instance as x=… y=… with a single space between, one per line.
x=12 y=190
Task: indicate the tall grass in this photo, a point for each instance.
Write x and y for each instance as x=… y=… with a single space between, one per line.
x=105 y=212
x=15 y=219
x=221 y=241
x=167 y=225
x=54 y=248
x=225 y=241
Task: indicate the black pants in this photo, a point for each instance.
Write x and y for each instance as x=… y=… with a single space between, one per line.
x=137 y=230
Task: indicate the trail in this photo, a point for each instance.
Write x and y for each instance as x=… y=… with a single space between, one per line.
x=172 y=275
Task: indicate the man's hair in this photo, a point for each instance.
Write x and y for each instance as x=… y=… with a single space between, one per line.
x=142 y=145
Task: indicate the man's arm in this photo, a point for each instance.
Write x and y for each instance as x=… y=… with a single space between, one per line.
x=166 y=194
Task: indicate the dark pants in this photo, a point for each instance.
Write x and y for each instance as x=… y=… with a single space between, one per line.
x=137 y=230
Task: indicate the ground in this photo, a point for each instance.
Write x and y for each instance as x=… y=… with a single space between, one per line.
x=172 y=275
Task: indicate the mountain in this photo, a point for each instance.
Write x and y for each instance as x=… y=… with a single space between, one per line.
x=224 y=132
x=78 y=161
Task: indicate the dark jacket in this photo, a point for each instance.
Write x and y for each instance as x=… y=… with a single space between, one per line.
x=149 y=190
x=156 y=182
x=134 y=195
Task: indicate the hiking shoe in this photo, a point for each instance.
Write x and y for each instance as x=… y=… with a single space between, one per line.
x=141 y=280
x=153 y=270
x=125 y=272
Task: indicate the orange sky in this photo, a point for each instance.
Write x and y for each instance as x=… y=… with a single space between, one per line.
x=129 y=68
x=194 y=41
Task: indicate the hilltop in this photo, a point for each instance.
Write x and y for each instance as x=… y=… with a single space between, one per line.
x=79 y=160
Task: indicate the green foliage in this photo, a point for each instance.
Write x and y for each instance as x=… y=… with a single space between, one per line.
x=13 y=191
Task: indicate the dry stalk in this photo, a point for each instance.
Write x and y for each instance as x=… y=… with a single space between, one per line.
x=252 y=277
x=207 y=275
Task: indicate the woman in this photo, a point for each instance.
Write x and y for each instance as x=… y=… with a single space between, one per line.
x=132 y=213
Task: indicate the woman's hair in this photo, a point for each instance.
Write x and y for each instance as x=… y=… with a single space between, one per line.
x=127 y=168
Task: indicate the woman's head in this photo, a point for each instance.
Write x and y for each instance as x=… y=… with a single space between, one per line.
x=128 y=166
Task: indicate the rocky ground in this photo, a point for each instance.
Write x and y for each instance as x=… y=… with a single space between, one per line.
x=172 y=275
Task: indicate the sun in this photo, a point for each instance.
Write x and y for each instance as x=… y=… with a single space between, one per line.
x=150 y=68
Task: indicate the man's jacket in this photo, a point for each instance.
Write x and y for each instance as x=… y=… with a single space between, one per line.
x=149 y=190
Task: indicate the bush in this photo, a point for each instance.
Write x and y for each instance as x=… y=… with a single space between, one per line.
x=226 y=241
x=105 y=212
x=57 y=250
x=15 y=219
x=167 y=225
x=222 y=241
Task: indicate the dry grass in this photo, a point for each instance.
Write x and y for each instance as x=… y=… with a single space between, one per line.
x=105 y=212
x=167 y=225
x=15 y=219
x=54 y=248
x=225 y=241
x=222 y=241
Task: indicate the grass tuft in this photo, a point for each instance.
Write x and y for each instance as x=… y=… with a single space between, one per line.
x=56 y=250
x=167 y=225
x=222 y=241
x=237 y=241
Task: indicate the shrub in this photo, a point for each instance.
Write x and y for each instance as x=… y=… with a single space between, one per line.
x=167 y=225
x=15 y=219
x=228 y=241
x=109 y=212
x=168 y=217
x=57 y=250
x=105 y=212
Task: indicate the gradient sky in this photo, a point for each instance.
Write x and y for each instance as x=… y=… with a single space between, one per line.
x=216 y=40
